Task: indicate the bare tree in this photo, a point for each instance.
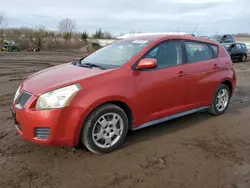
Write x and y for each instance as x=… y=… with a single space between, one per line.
x=66 y=28
x=39 y=36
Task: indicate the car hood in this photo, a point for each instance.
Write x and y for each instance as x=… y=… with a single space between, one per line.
x=56 y=77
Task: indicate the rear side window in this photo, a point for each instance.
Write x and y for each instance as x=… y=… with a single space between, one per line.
x=198 y=52
x=243 y=46
x=238 y=46
x=215 y=49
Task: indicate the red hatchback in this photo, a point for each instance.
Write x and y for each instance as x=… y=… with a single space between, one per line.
x=127 y=85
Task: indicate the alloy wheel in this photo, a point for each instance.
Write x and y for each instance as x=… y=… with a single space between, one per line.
x=107 y=130
x=222 y=100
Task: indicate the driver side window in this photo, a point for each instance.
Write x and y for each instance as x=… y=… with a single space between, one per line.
x=167 y=54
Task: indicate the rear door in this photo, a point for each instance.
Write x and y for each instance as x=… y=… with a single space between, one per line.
x=244 y=49
x=199 y=69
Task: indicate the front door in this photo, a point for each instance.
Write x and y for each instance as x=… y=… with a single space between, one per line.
x=234 y=51
x=162 y=91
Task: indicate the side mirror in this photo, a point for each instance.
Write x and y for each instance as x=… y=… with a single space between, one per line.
x=147 y=63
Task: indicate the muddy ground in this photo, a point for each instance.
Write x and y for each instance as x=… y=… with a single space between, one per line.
x=196 y=151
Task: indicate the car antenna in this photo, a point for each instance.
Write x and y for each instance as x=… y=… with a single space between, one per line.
x=195 y=28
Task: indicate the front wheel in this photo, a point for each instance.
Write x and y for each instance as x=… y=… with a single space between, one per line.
x=105 y=129
x=221 y=100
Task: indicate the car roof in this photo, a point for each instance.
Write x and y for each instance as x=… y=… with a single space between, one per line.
x=233 y=43
x=240 y=43
x=156 y=37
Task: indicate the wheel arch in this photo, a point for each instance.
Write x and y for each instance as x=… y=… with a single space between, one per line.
x=122 y=103
x=229 y=84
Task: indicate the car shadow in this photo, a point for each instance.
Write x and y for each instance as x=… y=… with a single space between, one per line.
x=179 y=124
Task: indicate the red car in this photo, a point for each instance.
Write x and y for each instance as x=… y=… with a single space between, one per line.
x=127 y=85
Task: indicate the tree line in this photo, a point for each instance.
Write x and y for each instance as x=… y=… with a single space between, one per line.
x=38 y=36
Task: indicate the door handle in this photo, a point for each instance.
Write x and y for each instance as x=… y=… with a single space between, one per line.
x=181 y=74
x=216 y=66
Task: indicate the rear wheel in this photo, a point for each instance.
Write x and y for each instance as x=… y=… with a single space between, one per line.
x=105 y=129
x=243 y=58
x=221 y=100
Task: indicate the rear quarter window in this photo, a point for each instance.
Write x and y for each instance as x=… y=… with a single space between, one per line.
x=215 y=50
x=244 y=46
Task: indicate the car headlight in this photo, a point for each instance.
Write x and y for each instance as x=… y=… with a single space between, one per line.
x=17 y=93
x=58 y=98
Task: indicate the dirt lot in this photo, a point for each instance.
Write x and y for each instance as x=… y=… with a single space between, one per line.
x=199 y=150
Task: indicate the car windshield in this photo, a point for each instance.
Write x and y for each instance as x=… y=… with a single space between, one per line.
x=215 y=37
x=117 y=53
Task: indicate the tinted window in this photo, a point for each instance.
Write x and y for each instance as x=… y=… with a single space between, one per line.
x=215 y=50
x=238 y=46
x=198 y=52
x=167 y=54
x=233 y=47
x=243 y=46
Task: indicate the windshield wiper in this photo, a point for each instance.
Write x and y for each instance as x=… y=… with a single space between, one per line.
x=91 y=65
x=78 y=62
x=88 y=65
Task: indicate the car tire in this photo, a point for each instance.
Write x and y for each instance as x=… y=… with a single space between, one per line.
x=100 y=134
x=243 y=58
x=215 y=106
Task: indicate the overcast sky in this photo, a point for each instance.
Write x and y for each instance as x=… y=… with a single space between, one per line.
x=122 y=16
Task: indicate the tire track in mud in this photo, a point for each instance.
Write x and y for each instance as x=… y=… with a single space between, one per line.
x=16 y=149
x=220 y=149
x=28 y=63
x=18 y=74
x=15 y=73
x=151 y=166
x=241 y=95
x=6 y=100
x=26 y=177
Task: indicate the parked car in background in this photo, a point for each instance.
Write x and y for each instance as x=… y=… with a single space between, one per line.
x=238 y=51
x=127 y=85
x=223 y=38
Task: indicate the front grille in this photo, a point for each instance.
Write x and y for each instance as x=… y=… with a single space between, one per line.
x=23 y=99
x=42 y=133
x=19 y=127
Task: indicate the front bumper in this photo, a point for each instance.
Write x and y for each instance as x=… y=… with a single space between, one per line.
x=63 y=125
